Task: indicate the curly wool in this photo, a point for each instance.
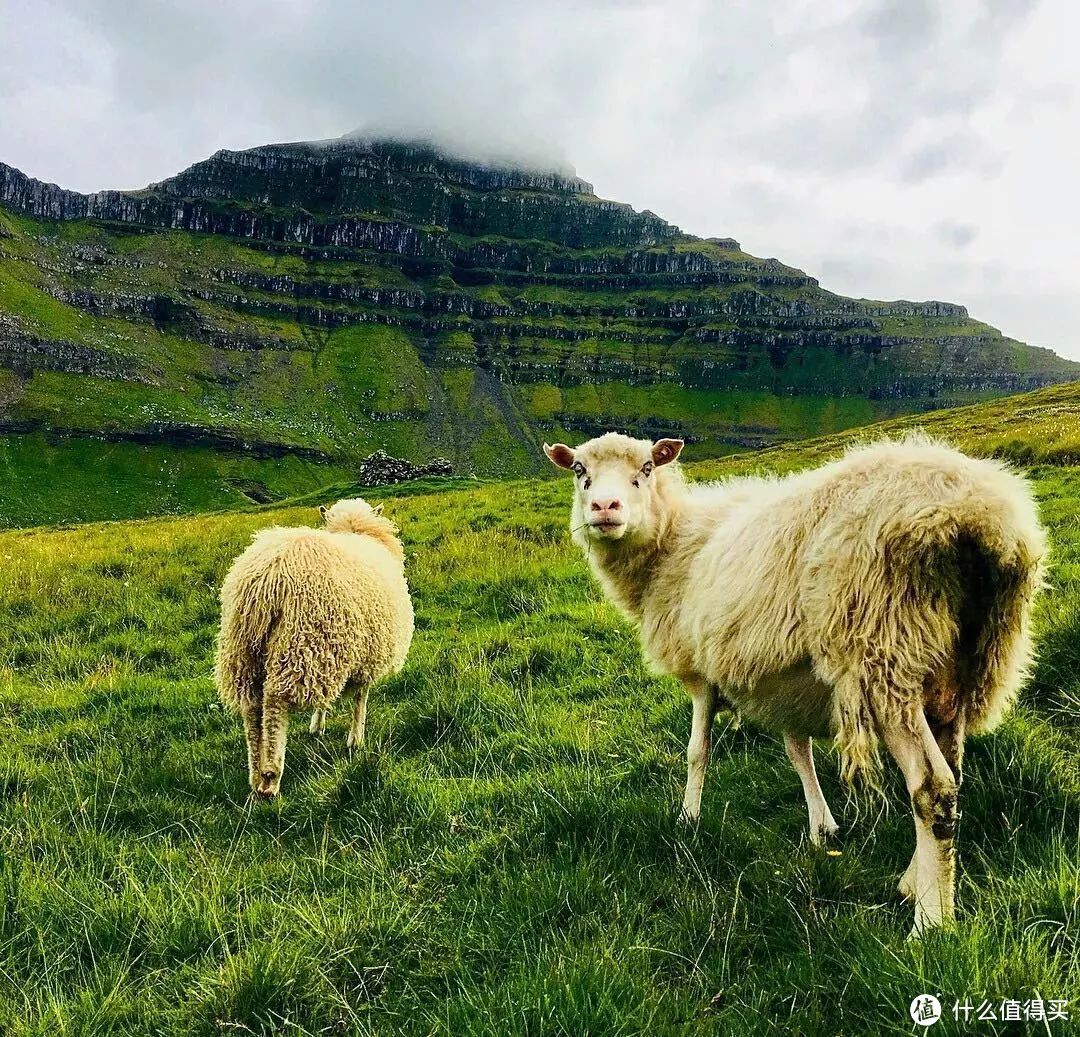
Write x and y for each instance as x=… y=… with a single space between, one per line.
x=840 y=600
x=305 y=610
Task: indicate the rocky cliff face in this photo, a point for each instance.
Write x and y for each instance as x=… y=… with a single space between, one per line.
x=320 y=194
x=327 y=299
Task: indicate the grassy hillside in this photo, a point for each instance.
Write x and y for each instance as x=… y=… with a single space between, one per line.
x=74 y=480
x=1035 y=428
x=503 y=858
x=293 y=308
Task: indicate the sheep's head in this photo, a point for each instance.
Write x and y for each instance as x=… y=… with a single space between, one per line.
x=617 y=484
x=357 y=516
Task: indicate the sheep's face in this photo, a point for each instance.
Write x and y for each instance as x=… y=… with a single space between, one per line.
x=614 y=483
x=350 y=516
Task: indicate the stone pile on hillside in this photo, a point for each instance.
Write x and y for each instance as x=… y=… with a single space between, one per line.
x=380 y=469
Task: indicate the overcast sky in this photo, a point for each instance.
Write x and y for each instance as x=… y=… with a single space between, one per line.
x=892 y=148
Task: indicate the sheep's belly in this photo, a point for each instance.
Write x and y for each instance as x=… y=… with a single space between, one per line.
x=792 y=700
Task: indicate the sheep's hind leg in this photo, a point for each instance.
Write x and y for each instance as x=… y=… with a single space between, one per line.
x=358 y=726
x=705 y=702
x=950 y=740
x=801 y=754
x=275 y=733
x=253 y=733
x=318 y=722
x=933 y=788
x=730 y=710
x=908 y=884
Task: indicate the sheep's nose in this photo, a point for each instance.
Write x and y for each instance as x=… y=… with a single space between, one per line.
x=614 y=504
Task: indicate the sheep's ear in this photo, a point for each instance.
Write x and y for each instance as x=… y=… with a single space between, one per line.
x=377 y=509
x=560 y=455
x=665 y=451
x=322 y=511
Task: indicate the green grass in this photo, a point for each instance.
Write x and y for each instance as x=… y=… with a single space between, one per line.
x=1035 y=428
x=503 y=858
x=75 y=480
x=52 y=479
x=256 y=340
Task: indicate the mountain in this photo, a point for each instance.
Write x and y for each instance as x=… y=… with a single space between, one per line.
x=253 y=326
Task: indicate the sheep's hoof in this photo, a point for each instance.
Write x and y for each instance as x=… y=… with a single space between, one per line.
x=820 y=838
x=926 y=926
x=687 y=818
x=823 y=835
x=269 y=786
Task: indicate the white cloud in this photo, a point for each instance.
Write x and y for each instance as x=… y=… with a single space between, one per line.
x=895 y=149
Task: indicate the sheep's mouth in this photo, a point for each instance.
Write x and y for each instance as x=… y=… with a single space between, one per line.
x=607 y=527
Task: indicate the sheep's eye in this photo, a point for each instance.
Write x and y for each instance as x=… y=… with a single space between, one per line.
x=579 y=469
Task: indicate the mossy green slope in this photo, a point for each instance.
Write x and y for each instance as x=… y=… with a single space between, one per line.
x=318 y=302
x=1033 y=429
x=504 y=857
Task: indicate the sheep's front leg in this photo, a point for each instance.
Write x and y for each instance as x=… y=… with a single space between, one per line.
x=933 y=788
x=705 y=701
x=275 y=733
x=318 y=721
x=359 y=718
x=801 y=754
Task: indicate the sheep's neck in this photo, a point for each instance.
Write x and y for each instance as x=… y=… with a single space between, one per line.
x=628 y=570
x=625 y=572
x=379 y=530
x=387 y=540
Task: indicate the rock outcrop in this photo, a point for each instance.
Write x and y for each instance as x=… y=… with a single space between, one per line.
x=380 y=469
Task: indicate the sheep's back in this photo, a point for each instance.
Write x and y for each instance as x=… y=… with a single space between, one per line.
x=773 y=567
x=340 y=607
x=736 y=594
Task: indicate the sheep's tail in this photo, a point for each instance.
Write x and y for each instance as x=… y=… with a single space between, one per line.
x=994 y=646
x=942 y=607
x=240 y=666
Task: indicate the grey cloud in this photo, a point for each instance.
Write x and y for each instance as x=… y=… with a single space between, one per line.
x=901 y=26
x=927 y=162
x=899 y=67
x=483 y=75
x=958 y=235
x=965 y=151
x=532 y=77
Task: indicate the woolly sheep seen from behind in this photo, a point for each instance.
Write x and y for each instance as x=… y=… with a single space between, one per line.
x=885 y=595
x=304 y=613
